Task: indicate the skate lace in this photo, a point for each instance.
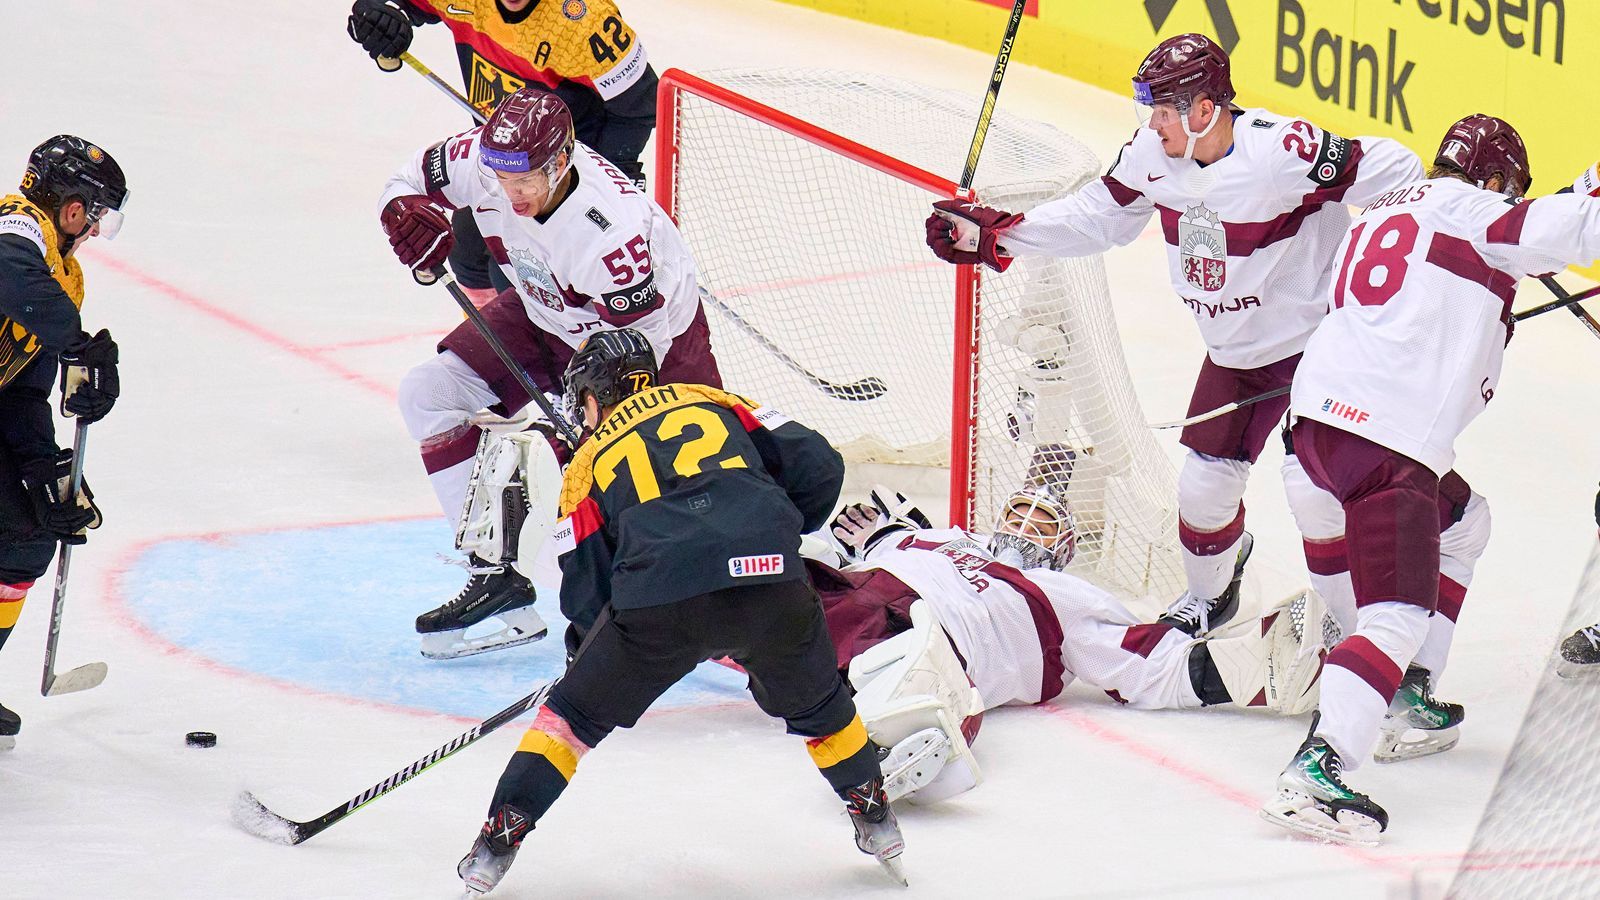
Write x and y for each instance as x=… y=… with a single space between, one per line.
x=1592 y=635
x=475 y=571
x=867 y=801
x=1189 y=608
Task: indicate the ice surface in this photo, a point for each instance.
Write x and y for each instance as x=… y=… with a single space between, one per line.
x=264 y=326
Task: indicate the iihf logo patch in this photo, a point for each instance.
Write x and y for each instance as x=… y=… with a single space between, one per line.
x=747 y=566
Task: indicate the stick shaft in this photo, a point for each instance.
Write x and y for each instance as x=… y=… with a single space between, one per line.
x=1224 y=409
x=986 y=113
x=80 y=440
x=389 y=64
x=517 y=372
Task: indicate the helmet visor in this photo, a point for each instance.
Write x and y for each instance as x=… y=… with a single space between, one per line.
x=106 y=220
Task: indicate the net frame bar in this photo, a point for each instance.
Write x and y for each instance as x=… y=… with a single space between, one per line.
x=965 y=312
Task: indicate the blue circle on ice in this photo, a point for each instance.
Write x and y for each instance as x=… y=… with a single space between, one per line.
x=332 y=608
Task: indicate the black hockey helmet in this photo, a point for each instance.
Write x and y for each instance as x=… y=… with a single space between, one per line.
x=67 y=168
x=610 y=366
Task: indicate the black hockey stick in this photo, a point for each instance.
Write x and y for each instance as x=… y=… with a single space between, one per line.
x=254 y=817
x=869 y=388
x=87 y=675
x=992 y=96
x=1223 y=409
x=440 y=273
x=1564 y=299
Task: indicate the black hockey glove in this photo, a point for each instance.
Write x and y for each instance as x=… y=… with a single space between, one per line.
x=89 y=383
x=47 y=481
x=380 y=28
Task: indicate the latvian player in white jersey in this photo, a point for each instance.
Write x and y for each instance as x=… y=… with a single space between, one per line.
x=934 y=626
x=1251 y=203
x=1408 y=356
x=584 y=250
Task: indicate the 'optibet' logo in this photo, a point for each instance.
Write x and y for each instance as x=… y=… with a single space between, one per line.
x=1226 y=32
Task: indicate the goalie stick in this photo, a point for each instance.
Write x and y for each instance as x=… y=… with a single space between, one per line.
x=254 y=817
x=87 y=675
x=869 y=388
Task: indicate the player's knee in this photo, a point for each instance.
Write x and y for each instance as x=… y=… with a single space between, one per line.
x=1318 y=514
x=1209 y=490
x=431 y=401
x=1398 y=629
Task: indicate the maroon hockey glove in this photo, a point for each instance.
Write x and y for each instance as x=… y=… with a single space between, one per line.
x=965 y=233
x=418 y=230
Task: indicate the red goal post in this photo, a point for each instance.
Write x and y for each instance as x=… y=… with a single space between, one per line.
x=802 y=195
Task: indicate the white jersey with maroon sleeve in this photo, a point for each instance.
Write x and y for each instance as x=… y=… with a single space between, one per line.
x=606 y=257
x=1421 y=310
x=1250 y=237
x=1022 y=634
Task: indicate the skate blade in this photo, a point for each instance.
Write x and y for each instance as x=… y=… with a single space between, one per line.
x=1568 y=669
x=455 y=644
x=1299 y=813
x=915 y=762
x=1395 y=748
x=892 y=864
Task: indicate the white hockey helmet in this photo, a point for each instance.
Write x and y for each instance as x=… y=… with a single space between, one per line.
x=1036 y=525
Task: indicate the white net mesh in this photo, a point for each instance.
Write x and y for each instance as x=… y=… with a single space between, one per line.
x=1540 y=833
x=826 y=303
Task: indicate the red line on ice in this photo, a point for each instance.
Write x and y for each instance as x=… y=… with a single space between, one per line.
x=315 y=356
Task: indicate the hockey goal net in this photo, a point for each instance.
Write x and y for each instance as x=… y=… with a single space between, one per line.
x=803 y=195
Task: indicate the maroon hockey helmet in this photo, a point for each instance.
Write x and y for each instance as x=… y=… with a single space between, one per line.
x=1182 y=68
x=528 y=132
x=1481 y=147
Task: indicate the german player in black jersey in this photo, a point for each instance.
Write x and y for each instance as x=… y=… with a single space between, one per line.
x=72 y=190
x=679 y=542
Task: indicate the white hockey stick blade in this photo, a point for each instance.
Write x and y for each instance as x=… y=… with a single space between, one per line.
x=82 y=678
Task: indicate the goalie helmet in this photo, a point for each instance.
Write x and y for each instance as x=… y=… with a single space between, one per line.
x=609 y=366
x=1035 y=529
x=67 y=168
x=528 y=132
x=1481 y=147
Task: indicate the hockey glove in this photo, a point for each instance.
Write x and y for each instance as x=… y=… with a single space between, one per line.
x=966 y=233
x=380 y=29
x=89 y=383
x=854 y=527
x=46 y=481
x=418 y=230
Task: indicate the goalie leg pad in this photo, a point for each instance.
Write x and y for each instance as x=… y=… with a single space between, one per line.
x=1277 y=663
x=909 y=685
x=515 y=480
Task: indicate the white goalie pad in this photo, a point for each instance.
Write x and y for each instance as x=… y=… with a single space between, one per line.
x=912 y=695
x=512 y=497
x=1276 y=661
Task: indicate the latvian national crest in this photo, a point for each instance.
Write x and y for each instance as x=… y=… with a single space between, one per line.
x=534 y=277
x=1204 y=246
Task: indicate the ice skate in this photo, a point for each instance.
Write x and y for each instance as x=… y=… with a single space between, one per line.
x=1417 y=724
x=1580 y=653
x=494 y=851
x=492 y=591
x=877 y=831
x=1314 y=800
x=10 y=725
x=1198 y=617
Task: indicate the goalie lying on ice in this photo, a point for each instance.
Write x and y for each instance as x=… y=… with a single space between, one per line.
x=934 y=626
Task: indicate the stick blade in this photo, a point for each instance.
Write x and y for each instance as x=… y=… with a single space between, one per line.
x=252 y=816
x=82 y=678
x=869 y=388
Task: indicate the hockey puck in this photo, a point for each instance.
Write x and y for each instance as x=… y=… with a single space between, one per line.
x=200 y=739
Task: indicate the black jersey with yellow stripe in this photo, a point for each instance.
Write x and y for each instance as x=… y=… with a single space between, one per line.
x=548 y=43
x=683 y=490
x=40 y=290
